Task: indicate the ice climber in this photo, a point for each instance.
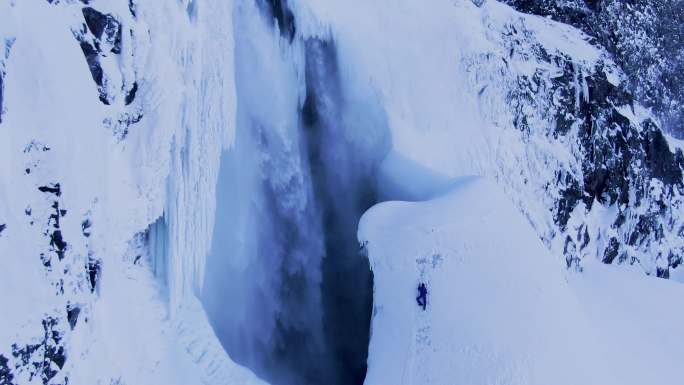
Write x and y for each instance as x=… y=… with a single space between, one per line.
x=422 y=295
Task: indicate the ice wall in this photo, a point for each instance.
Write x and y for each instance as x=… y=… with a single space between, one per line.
x=206 y=121
x=262 y=256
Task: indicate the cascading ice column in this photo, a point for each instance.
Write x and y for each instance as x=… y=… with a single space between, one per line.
x=286 y=288
x=262 y=289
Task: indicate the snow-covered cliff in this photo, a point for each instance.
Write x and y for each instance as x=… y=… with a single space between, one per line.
x=113 y=113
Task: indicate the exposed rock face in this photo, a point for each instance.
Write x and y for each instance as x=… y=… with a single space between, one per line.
x=70 y=268
x=615 y=189
x=41 y=358
x=645 y=38
x=100 y=37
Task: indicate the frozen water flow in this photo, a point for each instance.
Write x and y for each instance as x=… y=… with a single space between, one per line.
x=286 y=288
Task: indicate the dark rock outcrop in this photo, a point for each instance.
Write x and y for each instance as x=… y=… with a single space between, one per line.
x=72 y=315
x=45 y=358
x=100 y=36
x=645 y=39
x=6 y=375
x=625 y=162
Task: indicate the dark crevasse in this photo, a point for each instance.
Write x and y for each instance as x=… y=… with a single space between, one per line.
x=286 y=289
x=343 y=179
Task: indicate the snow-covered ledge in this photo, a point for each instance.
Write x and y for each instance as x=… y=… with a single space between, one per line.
x=499 y=309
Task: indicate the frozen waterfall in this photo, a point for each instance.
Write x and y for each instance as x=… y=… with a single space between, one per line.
x=286 y=288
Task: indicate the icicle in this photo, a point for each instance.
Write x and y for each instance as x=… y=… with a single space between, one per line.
x=577 y=74
x=204 y=123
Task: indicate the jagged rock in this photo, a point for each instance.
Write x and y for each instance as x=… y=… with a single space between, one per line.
x=54 y=188
x=573 y=12
x=44 y=359
x=643 y=36
x=663 y=272
x=97 y=22
x=661 y=162
x=612 y=251
x=85 y=227
x=93 y=60
x=571 y=195
x=130 y=96
x=625 y=163
x=58 y=243
x=100 y=35
x=104 y=27
x=6 y=376
x=93 y=267
x=72 y=315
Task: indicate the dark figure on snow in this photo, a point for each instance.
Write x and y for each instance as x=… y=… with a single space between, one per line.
x=422 y=295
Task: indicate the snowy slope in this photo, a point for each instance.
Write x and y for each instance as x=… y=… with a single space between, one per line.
x=500 y=309
x=637 y=318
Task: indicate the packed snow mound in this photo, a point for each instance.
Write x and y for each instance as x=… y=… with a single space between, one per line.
x=499 y=309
